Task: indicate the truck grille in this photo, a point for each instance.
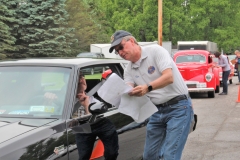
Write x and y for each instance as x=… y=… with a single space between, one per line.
x=191 y=85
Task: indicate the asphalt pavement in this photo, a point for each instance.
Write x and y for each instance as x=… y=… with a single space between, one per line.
x=217 y=136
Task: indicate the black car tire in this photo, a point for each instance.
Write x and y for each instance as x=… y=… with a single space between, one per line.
x=211 y=94
x=217 y=90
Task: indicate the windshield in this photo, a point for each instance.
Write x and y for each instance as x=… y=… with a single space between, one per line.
x=191 y=58
x=23 y=89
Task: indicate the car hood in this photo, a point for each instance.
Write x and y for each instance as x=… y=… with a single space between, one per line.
x=190 y=71
x=13 y=127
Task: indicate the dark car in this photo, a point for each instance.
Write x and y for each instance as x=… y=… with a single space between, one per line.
x=93 y=69
x=32 y=127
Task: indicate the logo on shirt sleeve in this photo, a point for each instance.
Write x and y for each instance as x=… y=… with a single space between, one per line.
x=151 y=70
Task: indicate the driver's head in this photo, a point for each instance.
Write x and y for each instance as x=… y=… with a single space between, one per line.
x=82 y=85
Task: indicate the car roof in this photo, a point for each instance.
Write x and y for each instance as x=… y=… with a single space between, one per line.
x=60 y=61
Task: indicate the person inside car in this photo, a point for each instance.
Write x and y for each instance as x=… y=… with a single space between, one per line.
x=103 y=128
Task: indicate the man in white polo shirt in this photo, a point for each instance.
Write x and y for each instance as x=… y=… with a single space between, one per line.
x=152 y=72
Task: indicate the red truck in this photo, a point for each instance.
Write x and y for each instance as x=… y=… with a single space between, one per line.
x=198 y=71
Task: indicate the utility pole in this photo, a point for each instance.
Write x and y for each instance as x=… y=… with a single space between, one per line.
x=160 y=22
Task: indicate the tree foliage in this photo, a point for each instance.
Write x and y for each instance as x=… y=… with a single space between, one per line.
x=138 y=17
x=215 y=20
x=7 y=40
x=85 y=17
x=42 y=29
x=64 y=28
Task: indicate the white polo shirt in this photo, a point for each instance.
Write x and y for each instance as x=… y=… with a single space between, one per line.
x=154 y=60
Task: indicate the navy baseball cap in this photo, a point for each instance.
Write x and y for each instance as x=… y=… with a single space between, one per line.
x=117 y=37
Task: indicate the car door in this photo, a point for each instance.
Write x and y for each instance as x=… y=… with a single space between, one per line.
x=131 y=134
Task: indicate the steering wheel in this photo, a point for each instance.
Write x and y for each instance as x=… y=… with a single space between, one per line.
x=41 y=100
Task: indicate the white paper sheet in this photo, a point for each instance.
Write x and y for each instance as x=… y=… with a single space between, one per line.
x=115 y=92
x=112 y=90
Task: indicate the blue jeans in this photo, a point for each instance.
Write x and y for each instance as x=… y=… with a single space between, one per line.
x=167 y=131
x=106 y=131
x=225 y=75
x=238 y=75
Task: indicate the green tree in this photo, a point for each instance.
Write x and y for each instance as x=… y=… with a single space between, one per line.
x=215 y=20
x=138 y=17
x=176 y=22
x=85 y=17
x=43 y=28
x=7 y=41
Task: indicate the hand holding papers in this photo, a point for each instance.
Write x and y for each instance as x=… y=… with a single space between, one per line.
x=115 y=92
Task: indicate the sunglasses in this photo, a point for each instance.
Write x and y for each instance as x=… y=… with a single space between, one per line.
x=120 y=47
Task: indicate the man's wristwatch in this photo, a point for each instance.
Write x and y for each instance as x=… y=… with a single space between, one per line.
x=149 y=87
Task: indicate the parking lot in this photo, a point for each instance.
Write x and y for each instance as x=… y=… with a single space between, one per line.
x=217 y=136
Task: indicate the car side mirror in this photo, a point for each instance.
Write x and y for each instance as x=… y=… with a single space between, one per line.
x=98 y=108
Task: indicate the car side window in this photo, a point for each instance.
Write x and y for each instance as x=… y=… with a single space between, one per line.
x=90 y=79
x=209 y=59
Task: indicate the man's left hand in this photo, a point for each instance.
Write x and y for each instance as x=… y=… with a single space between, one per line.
x=139 y=91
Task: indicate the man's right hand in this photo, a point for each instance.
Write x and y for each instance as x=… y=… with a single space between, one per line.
x=84 y=101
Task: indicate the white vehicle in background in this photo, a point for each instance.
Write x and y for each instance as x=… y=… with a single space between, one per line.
x=197 y=45
x=104 y=48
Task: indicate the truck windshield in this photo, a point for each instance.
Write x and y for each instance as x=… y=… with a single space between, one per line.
x=191 y=58
x=23 y=90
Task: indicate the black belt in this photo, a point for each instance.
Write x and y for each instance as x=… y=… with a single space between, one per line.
x=173 y=101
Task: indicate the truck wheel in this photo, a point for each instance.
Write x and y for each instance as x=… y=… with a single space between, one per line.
x=217 y=89
x=211 y=94
x=230 y=81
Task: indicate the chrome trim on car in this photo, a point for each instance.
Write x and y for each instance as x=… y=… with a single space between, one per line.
x=195 y=89
x=200 y=89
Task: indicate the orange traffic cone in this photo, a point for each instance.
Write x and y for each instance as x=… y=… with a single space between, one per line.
x=238 y=100
x=98 y=150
